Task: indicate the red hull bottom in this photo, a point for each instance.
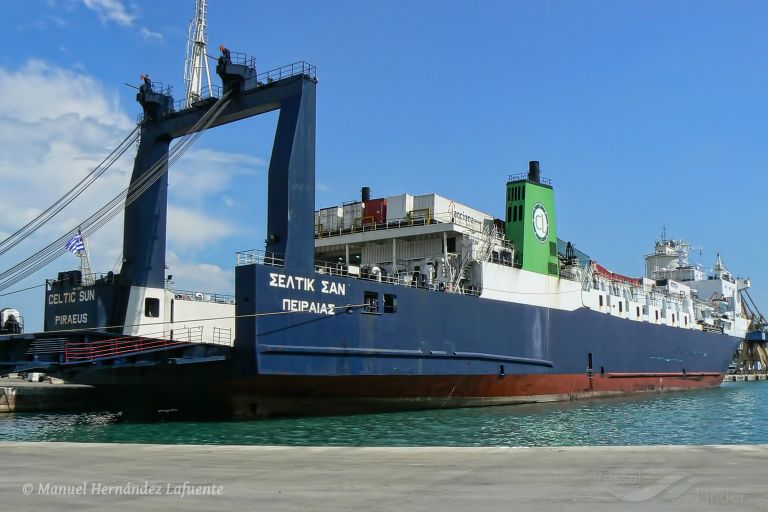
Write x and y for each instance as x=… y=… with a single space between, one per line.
x=268 y=395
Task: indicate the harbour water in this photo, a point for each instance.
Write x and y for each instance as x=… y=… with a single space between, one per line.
x=736 y=413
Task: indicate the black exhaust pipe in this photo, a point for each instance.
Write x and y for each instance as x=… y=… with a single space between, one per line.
x=533 y=171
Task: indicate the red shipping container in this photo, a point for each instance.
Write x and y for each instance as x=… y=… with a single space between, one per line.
x=375 y=211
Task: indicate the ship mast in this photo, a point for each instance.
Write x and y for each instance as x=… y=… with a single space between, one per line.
x=196 y=62
x=85 y=265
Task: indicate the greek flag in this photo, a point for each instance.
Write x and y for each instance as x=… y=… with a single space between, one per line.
x=76 y=244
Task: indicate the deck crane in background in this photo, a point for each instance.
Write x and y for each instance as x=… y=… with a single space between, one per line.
x=753 y=354
x=196 y=63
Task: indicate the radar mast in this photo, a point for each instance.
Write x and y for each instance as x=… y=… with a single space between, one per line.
x=196 y=63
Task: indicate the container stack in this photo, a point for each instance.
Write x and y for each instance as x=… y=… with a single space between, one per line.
x=402 y=208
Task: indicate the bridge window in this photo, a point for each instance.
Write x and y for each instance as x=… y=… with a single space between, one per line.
x=601 y=300
x=152 y=307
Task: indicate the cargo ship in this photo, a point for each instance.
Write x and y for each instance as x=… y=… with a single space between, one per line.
x=391 y=303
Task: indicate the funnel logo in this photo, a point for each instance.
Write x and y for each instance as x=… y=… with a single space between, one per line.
x=540 y=222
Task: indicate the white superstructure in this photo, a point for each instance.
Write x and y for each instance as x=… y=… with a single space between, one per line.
x=716 y=292
x=427 y=247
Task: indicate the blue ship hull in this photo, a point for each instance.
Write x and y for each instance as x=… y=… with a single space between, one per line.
x=440 y=349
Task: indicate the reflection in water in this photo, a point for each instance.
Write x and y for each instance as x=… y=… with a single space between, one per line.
x=735 y=413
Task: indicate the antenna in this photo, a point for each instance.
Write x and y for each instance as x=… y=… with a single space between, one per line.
x=196 y=60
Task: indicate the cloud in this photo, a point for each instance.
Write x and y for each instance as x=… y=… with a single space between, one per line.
x=202 y=277
x=55 y=20
x=190 y=229
x=202 y=172
x=42 y=92
x=112 y=10
x=45 y=22
x=116 y=12
x=149 y=36
x=59 y=126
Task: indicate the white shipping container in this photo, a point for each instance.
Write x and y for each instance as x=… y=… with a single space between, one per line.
x=336 y=211
x=470 y=217
x=330 y=223
x=353 y=215
x=444 y=210
x=330 y=218
x=431 y=202
x=398 y=207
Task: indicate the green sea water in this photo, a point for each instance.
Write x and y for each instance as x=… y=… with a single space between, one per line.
x=736 y=413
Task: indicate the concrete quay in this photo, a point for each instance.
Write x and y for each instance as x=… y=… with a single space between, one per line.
x=18 y=395
x=73 y=476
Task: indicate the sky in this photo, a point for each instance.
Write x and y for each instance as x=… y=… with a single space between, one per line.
x=643 y=114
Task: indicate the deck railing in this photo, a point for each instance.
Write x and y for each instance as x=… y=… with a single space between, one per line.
x=212 y=92
x=366 y=224
x=215 y=298
x=524 y=177
x=362 y=227
x=127 y=345
x=260 y=257
x=287 y=71
x=400 y=279
x=222 y=336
